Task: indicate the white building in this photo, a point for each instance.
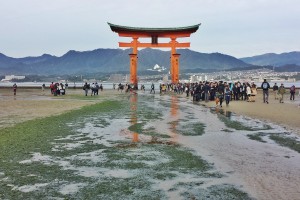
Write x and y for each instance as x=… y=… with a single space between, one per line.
x=165 y=79
x=11 y=77
x=195 y=78
x=116 y=78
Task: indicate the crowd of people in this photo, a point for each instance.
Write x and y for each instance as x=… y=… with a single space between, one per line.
x=129 y=87
x=217 y=91
x=214 y=91
x=95 y=87
x=222 y=91
x=56 y=88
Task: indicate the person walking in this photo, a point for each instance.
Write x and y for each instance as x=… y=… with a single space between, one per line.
x=206 y=90
x=227 y=95
x=187 y=90
x=281 y=92
x=86 y=88
x=219 y=97
x=292 y=92
x=143 y=87
x=43 y=87
x=235 y=90
x=248 y=91
x=93 y=88
x=253 y=92
x=265 y=87
x=97 y=88
x=220 y=90
x=275 y=91
x=52 y=88
x=163 y=88
x=15 y=89
x=243 y=89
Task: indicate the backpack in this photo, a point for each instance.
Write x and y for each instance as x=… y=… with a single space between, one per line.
x=265 y=86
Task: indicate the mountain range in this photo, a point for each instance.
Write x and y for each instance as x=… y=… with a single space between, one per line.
x=117 y=61
x=273 y=59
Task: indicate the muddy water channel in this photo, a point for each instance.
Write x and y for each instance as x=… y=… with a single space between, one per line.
x=143 y=146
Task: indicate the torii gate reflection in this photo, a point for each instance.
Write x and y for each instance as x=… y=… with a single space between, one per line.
x=174 y=106
x=174 y=116
x=154 y=33
x=133 y=108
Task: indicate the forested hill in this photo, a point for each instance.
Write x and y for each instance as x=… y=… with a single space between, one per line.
x=113 y=60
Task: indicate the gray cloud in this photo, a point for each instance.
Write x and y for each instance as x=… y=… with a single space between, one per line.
x=235 y=27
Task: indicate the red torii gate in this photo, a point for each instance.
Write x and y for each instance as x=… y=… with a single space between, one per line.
x=154 y=33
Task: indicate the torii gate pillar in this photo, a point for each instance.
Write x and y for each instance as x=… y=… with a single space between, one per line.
x=175 y=68
x=133 y=69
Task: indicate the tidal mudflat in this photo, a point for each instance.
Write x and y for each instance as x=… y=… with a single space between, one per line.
x=142 y=146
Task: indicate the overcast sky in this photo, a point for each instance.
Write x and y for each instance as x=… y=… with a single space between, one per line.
x=239 y=28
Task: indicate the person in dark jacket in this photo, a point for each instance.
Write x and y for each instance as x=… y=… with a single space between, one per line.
x=265 y=87
x=292 y=92
x=206 y=90
x=275 y=91
x=15 y=89
x=86 y=88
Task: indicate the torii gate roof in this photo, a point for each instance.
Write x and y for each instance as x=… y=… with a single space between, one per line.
x=124 y=29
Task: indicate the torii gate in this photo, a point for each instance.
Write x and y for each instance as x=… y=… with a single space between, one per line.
x=154 y=33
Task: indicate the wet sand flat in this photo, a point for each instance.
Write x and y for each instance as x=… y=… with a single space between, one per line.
x=150 y=146
x=34 y=103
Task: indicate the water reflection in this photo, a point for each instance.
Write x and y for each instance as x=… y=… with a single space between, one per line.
x=133 y=109
x=221 y=111
x=226 y=113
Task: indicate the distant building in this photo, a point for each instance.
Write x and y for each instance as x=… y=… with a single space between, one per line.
x=165 y=79
x=195 y=78
x=116 y=78
x=157 y=68
x=127 y=78
x=291 y=80
x=11 y=77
